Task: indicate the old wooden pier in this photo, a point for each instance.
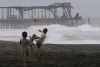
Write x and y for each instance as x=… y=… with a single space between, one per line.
x=22 y=17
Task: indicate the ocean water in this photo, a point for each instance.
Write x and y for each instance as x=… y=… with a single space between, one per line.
x=57 y=34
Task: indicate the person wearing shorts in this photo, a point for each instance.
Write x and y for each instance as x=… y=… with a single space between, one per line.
x=24 y=47
x=41 y=40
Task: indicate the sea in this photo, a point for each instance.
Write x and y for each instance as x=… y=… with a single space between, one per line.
x=58 y=34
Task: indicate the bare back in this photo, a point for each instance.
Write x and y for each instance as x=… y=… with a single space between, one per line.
x=24 y=44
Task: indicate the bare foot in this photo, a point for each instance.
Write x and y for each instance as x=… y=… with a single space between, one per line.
x=24 y=64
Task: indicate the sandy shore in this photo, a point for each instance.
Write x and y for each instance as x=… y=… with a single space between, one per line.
x=70 y=55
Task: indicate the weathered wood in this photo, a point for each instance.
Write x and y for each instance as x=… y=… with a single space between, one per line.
x=13 y=20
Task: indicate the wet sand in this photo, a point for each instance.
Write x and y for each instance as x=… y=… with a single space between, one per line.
x=53 y=55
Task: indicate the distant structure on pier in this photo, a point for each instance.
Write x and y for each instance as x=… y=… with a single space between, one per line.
x=21 y=17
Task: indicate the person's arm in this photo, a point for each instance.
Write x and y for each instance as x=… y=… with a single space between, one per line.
x=36 y=37
x=40 y=30
x=20 y=41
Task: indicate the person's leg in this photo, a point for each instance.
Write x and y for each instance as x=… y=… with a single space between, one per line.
x=31 y=39
x=39 y=51
x=24 y=58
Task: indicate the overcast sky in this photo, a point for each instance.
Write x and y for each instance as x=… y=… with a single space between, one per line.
x=86 y=8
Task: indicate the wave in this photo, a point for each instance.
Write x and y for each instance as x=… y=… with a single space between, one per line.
x=59 y=27
x=57 y=34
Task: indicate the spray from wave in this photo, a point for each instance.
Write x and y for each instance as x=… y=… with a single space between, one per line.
x=58 y=34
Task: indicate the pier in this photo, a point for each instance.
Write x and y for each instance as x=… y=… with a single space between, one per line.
x=22 y=16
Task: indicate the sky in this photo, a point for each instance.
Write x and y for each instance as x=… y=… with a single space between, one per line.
x=86 y=8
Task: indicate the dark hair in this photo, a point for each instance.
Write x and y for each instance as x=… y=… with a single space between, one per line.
x=45 y=30
x=24 y=34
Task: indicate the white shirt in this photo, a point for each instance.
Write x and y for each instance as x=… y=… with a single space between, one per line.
x=42 y=38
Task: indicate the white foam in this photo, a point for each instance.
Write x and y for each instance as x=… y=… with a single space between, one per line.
x=57 y=34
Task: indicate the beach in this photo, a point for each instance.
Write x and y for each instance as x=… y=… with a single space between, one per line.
x=53 y=55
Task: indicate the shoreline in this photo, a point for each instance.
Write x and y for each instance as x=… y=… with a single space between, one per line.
x=54 y=55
